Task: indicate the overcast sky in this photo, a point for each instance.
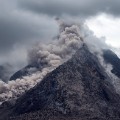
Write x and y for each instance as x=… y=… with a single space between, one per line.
x=24 y=22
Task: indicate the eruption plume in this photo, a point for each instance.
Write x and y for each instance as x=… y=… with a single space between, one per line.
x=48 y=57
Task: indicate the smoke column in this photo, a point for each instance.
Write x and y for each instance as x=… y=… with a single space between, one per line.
x=48 y=56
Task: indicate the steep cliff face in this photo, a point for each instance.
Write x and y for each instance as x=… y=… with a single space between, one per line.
x=79 y=88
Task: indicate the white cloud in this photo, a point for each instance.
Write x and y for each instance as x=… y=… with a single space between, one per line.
x=106 y=26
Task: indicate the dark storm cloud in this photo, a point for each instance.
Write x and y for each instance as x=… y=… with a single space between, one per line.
x=18 y=30
x=21 y=27
x=82 y=8
x=11 y=32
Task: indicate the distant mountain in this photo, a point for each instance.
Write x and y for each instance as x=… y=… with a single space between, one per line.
x=111 y=58
x=28 y=70
x=77 y=90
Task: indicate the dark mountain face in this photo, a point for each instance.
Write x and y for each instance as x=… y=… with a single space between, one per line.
x=78 y=88
x=113 y=59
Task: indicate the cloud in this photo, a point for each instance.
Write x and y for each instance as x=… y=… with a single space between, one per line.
x=26 y=21
x=48 y=57
x=71 y=7
x=104 y=25
x=19 y=29
x=23 y=22
x=107 y=27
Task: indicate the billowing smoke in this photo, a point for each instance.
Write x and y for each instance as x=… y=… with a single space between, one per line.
x=97 y=46
x=49 y=56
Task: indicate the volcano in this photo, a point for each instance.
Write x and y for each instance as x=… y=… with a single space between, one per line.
x=79 y=89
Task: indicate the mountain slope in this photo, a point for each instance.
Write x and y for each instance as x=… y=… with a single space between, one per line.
x=77 y=89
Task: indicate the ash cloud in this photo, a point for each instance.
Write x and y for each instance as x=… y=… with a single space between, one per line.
x=49 y=56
